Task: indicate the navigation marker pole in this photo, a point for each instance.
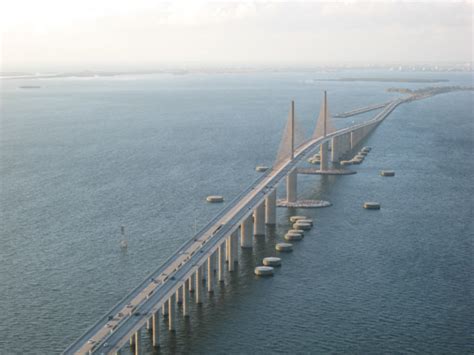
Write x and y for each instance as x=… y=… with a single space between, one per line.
x=123 y=242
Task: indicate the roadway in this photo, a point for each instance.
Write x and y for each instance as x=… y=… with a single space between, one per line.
x=358 y=111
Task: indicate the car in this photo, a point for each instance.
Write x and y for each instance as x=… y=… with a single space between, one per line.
x=172 y=278
x=90 y=341
x=136 y=314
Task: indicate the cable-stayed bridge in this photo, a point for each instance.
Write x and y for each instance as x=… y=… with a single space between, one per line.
x=201 y=263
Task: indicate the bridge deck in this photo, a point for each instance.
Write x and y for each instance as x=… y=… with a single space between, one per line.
x=360 y=110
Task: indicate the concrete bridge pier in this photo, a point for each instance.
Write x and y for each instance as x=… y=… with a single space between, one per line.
x=234 y=239
x=185 y=297
x=138 y=342
x=198 y=285
x=270 y=208
x=155 y=319
x=291 y=186
x=210 y=273
x=353 y=139
x=229 y=253
x=259 y=220
x=246 y=233
x=172 y=312
x=221 y=262
x=324 y=152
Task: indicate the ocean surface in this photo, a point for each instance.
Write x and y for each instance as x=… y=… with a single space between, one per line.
x=82 y=156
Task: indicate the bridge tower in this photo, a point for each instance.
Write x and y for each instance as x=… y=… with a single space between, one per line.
x=292 y=139
x=324 y=127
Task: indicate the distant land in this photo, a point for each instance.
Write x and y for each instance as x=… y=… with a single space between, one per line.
x=388 y=80
x=183 y=69
x=431 y=91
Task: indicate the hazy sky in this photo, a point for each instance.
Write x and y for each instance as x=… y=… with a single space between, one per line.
x=140 y=34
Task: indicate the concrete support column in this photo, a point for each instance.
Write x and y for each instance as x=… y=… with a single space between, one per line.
x=179 y=295
x=234 y=239
x=155 y=335
x=227 y=248
x=270 y=208
x=291 y=186
x=138 y=342
x=259 y=220
x=221 y=262
x=246 y=233
x=323 y=151
x=164 y=309
x=185 y=297
x=198 y=285
x=172 y=312
x=210 y=273
x=229 y=253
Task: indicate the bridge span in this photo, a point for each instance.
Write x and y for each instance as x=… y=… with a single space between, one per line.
x=200 y=263
x=361 y=110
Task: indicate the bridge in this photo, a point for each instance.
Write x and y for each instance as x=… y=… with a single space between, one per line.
x=361 y=110
x=200 y=263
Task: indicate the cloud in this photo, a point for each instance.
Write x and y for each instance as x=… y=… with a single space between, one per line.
x=118 y=32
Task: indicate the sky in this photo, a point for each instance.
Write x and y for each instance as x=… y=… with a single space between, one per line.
x=150 y=34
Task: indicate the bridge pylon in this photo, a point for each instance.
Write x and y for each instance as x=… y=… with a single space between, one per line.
x=331 y=149
x=292 y=138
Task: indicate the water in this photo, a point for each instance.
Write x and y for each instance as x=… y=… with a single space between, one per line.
x=81 y=157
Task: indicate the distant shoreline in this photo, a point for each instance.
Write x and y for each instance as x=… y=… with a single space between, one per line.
x=388 y=80
x=223 y=70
